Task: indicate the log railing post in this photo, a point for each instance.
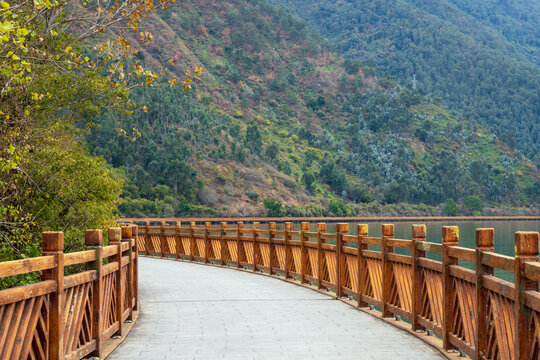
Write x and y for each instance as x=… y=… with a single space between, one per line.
x=526 y=245
x=93 y=240
x=162 y=238
x=256 y=226
x=53 y=244
x=206 y=240
x=127 y=237
x=147 y=237
x=271 y=250
x=450 y=237
x=222 y=242
x=321 y=228
x=192 y=241
x=239 y=229
x=288 y=227
x=304 y=227
x=361 y=262
x=178 y=239
x=418 y=235
x=341 y=228
x=484 y=243
x=135 y=233
x=387 y=233
x=115 y=238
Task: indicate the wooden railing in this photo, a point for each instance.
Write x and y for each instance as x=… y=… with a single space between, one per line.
x=470 y=310
x=70 y=317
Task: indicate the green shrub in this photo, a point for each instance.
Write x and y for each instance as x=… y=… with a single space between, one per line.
x=273 y=207
x=451 y=207
x=473 y=205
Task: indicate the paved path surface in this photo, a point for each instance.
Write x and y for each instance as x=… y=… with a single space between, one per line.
x=191 y=311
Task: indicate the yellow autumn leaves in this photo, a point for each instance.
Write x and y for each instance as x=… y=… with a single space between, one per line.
x=190 y=76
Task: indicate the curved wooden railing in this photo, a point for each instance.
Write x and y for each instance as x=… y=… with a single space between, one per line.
x=469 y=310
x=70 y=317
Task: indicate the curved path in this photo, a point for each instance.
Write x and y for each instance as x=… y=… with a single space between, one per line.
x=191 y=311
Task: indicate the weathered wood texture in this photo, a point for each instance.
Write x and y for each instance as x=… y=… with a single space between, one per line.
x=69 y=317
x=473 y=311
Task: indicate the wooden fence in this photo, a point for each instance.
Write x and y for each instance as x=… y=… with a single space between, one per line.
x=70 y=317
x=472 y=311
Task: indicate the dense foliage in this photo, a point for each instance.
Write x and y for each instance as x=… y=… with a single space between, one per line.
x=57 y=71
x=480 y=57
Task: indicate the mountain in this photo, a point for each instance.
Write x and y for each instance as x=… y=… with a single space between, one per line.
x=282 y=124
x=481 y=57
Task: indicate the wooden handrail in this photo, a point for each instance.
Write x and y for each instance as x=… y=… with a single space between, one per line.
x=466 y=307
x=89 y=297
x=471 y=310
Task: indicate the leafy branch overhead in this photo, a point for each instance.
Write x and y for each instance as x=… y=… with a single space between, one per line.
x=61 y=63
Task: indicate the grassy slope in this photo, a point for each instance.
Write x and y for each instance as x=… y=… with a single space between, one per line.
x=263 y=68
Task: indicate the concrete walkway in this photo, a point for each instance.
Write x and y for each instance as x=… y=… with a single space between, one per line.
x=191 y=311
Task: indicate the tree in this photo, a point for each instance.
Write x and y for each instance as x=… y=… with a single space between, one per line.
x=351 y=66
x=64 y=189
x=451 y=207
x=272 y=151
x=359 y=193
x=308 y=179
x=473 y=205
x=51 y=87
x=253 y=139
x=339 y=208
x=274 y=208
x=332 y=175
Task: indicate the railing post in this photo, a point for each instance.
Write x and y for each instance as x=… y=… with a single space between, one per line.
x=222 y=242
x=162 y=238
x=135 y=232
x=450 y=237
x=192 y=241
x=484 y=243
x=361 y=262
x=387 y=233
x=321 y=228
x=271 y=250
x=177 y=238
x=304 y=227
x=526 y=244
x=53 y=244
x=341 y=228
x=418 y=235
x=147 y=237
x=93 y=240
x=256 y=226
x=288 y=227
x=115 y=237
x=239 y=228
x=127 y=237
x=206 y=241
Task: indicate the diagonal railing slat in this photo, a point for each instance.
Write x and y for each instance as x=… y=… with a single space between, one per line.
x=70 y=317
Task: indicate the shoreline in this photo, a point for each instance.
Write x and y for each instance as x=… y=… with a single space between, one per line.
x=265 y=220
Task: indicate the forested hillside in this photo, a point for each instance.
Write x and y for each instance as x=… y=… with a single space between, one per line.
x=480 y=57
x=281 y=124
